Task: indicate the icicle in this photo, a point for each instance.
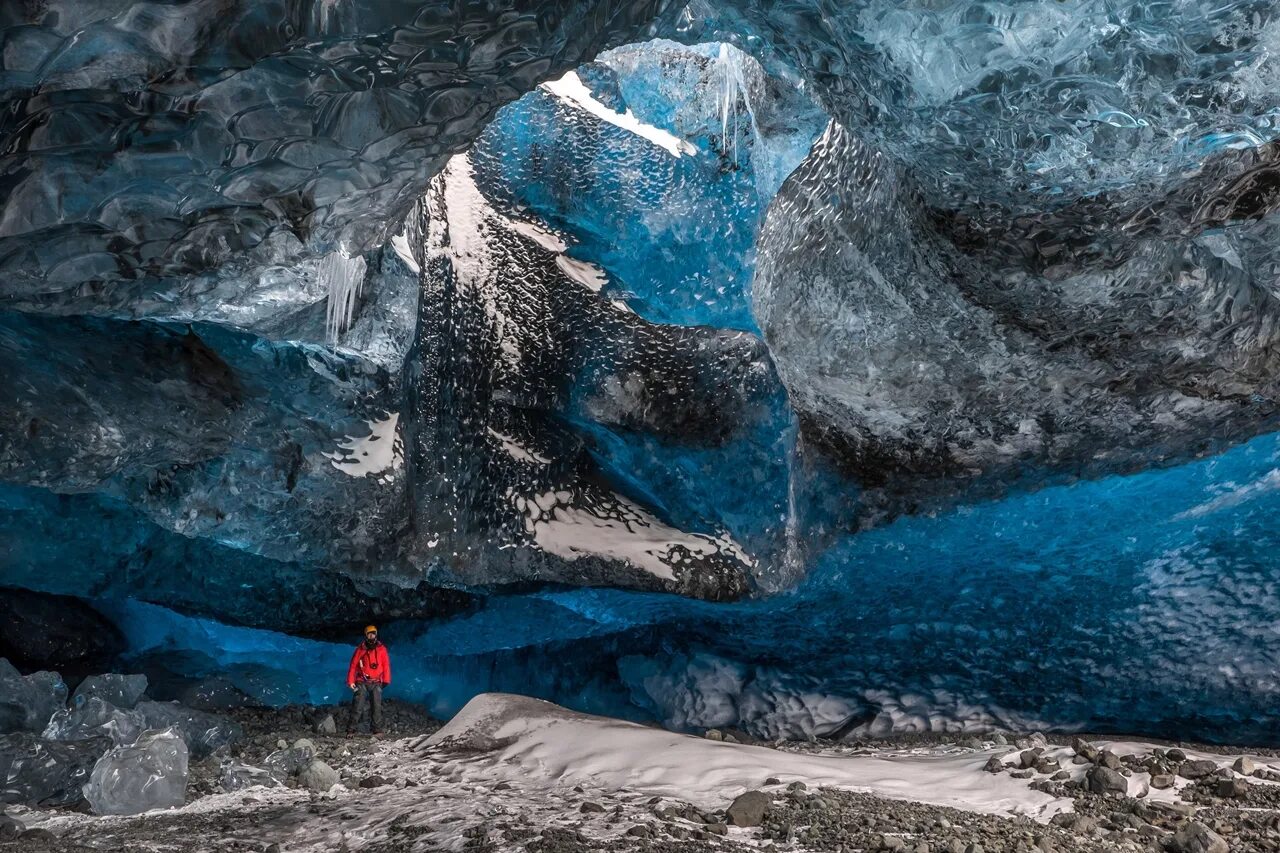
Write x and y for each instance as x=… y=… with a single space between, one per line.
x=343 y=276
x=730 y=63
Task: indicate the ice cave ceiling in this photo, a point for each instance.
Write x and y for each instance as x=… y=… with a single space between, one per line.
x=812 y=367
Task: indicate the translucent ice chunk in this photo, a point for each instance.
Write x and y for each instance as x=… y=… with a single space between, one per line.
x=96 y=718
x=150 y=774
x=38 y=772
x=237 y=776
x=203 y=733
x=289 y=762
x=27 y=702
x=123 y=691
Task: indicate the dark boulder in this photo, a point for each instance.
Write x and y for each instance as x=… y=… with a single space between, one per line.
x=56 y=632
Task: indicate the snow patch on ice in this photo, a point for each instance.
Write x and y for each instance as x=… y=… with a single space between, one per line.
x=466 y=245
x=620 y=531
x=400 y=243
x=516 y=450
x=584 y=273
x=571 y=90
x=379 y=452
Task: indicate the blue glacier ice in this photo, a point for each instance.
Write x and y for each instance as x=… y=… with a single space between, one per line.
x=808 y=368
x=1130 y=602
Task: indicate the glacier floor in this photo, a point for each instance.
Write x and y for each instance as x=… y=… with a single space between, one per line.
x=513 y=773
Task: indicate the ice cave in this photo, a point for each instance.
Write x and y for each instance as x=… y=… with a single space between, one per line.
x=820 y=372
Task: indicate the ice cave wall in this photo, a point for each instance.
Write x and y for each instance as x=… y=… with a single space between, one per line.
x=298 y=324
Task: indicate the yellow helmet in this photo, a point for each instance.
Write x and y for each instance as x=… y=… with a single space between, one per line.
x=373 y=628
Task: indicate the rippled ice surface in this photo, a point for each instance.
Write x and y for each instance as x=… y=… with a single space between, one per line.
x=1142 y=603
x=896 y=340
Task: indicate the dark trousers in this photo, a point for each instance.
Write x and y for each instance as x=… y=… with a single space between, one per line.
x=366 y=692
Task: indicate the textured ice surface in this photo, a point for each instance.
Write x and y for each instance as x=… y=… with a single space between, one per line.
x=237 y=775
x=520 y=357
x=27 y=702
x=122 y=691
x=149 y=774
x=206 y=425
x=249 y=371
x=165 y=140
x=288 y=762
x=1139 y=602
x=39 y=772
x=1028 y=106
x=96 y=717
x=202 y=733
x=670 y=229
x=925 y=362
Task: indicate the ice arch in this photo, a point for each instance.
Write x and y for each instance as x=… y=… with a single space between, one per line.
x=1035 y=244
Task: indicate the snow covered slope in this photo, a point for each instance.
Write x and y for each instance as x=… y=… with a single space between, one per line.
x=522 y=737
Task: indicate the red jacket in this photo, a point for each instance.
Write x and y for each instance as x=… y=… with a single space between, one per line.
x=369 y=664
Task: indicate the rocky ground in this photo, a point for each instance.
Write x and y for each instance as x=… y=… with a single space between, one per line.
x=269 y=730
x=395 y=794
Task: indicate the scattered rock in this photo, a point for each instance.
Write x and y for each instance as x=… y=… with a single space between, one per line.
x=717 y=828
x=1104 y=780
x=327 y=726
x=374 y=781
x=589 y=807
x=1197 y=769
x=1195 y=837
x=993 y=765
x=1162 y=780
x=748 y=809
x=773 y=780
x=1077 y=823
x=1175 y=755
x=639 y=831
x=1234 y=789
x=10 y=828
x=1244 y=766
x=1110 y=760
x=713 y=734
x=1085 y=750
x=318 y=776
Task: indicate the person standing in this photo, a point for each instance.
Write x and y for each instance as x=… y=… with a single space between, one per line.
x=370 y=671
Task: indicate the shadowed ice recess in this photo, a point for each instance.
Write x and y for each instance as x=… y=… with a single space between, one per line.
x=812 y=368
